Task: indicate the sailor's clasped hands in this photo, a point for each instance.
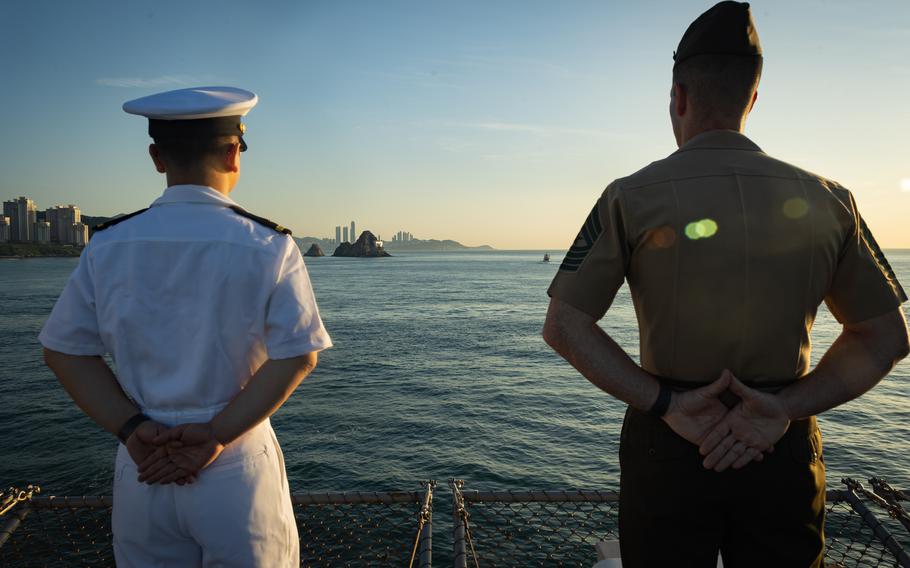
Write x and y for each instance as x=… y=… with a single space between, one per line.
x=172 y=455
x=728 y=436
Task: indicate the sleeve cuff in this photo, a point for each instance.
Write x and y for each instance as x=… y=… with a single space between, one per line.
x=847 y=317
x=594 y=307
x=296 y=348
x=72 y=348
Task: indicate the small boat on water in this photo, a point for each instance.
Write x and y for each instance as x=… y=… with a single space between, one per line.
x=546 y=257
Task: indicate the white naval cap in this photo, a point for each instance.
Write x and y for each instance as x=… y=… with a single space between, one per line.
x=196 y=112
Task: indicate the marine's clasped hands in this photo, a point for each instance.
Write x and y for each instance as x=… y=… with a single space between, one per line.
x=172 y=455
x=728 y=436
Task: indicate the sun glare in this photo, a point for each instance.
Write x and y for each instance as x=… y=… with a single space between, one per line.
x=704 y=229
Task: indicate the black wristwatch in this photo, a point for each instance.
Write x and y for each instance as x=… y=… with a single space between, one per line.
x=130 y=425
x=662 y=404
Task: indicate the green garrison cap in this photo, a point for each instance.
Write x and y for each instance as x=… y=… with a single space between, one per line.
x=726 y=29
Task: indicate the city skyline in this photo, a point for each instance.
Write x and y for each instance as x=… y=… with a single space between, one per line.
x=495 y=124
x=22 y=222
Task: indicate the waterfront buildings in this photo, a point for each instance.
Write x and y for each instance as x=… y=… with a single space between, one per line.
x=345 y=234
x=42 y=232
x=63 y=220
x=80 y=234
x=62 y=224
x=402 y=237
x=23 y=213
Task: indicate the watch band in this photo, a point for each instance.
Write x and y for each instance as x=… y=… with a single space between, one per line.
x=130 y=425
x=662 y=404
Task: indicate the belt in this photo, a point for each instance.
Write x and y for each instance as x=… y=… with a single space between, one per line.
x=728 y=398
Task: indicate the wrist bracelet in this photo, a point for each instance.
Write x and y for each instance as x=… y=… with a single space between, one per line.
x=130 y=425
x=662 y=404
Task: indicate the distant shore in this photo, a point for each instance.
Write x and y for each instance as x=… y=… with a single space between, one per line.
x=414 y=245
x=12 y=251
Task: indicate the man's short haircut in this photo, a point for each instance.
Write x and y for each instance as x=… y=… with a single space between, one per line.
x=190 y=152
x=719 y=86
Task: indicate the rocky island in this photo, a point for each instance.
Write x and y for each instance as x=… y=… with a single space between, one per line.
x=315 y=250
x=365 y=246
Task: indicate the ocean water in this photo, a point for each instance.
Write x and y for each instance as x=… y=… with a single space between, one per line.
x=438 y=371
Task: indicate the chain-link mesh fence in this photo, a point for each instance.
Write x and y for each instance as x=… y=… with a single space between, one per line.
x=850 y=542
x=561 y=528
x=365 y=528
x=531 y=528
x=358 y=528
x=394 y=528
x=67 y=531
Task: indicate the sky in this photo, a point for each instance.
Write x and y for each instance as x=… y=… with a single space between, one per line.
x=488 y=122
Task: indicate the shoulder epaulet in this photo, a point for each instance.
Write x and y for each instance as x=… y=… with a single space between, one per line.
x=261 y=220
x=111 y=222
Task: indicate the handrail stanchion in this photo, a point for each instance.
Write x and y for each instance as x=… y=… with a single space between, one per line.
x=873 y=522
x=458 y=534
x=12 y=523
x=426 y=533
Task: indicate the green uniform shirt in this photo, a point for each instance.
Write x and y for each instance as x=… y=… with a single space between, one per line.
x=728 y=254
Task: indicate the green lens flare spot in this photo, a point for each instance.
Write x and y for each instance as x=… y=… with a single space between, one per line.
x=796 y=208
x=703 y=229
x=709 y=227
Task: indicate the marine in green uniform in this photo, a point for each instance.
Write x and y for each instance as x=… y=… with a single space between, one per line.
x=728 y=254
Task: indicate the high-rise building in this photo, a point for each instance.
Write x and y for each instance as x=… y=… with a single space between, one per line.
x=22 y=213
x=42 y=232
x=80 y=234
x=4 y=229
x=9 y=211
x=345 y=234
x=338 y=240
x=353 y=232
x=62 y=218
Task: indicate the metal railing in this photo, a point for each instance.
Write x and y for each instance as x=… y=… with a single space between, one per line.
x=561 y=528
x=489 y=528
x=526 y=528
x=351 y=528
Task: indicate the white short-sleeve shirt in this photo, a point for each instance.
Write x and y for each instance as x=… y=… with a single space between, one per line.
x=190 y=299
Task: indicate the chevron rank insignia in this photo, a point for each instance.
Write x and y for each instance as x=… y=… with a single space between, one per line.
x=583 y=242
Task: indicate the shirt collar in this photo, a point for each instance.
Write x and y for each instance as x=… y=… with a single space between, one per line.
x=193 y=194
x=719 y=140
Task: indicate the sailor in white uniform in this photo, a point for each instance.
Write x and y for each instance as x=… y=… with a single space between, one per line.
x=209 y=315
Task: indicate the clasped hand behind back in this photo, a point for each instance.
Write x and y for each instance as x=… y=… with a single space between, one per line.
x=728 y=436
x=172 y=455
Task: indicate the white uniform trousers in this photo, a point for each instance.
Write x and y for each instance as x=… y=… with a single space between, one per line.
x=238 y=512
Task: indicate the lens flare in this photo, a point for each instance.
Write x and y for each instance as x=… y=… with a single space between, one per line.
x=703 y=229
x=796 y=207
x=905 y=185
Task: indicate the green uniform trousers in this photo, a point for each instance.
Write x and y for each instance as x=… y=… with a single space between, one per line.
x=674 y=512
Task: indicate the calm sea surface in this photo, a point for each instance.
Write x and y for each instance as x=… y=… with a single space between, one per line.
x=438 y=371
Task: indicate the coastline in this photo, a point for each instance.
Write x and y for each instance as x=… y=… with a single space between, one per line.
x=19 y=251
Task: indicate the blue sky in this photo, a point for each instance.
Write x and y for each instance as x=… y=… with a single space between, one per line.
x=487 y=122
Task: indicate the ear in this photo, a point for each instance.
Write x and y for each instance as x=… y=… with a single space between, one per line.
x=680 y=99
x=156 y=158
x=754 y=98
x=231 y=157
